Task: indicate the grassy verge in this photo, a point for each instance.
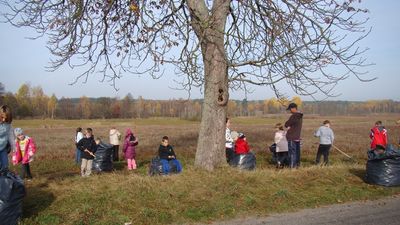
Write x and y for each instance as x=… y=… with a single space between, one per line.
x=58 y=195
x=194 y=196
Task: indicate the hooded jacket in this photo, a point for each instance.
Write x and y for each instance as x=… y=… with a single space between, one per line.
x=294 y=124
x=24 y=155
x=130 y=141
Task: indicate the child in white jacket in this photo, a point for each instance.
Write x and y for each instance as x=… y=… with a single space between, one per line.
x=281 y=145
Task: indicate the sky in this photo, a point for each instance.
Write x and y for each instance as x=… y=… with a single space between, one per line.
x=24 y=61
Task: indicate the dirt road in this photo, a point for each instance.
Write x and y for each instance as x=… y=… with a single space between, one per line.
x=384 y=211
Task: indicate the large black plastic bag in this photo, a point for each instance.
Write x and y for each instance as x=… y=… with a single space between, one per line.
x=244 y=161
x=155 y=167
x=12 y=191
x=103 y=160
x=384 y=169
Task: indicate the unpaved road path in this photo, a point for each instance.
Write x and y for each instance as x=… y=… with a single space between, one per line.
x=385 y=211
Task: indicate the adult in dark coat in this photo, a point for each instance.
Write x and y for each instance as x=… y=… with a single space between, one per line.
x=294 y=125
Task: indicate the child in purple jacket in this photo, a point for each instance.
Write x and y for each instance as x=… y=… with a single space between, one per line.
x=129 y=149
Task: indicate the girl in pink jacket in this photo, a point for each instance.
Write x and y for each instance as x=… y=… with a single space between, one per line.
x=25 y=148
x=129 y=149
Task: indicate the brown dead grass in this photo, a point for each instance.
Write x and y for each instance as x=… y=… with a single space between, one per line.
x=57 y=195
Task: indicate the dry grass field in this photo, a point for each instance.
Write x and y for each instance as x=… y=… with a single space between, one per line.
x=58 y=195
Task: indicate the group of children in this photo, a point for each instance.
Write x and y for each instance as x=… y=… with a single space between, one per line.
x=24 y=148
x=86 y=149
x=286 y=147
x=378 y=136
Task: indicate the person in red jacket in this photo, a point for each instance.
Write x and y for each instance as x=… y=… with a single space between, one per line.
x=241 y=145
x=378 y=136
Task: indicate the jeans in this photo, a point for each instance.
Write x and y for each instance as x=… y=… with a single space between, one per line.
x=166 y=165
x=323 y=150
x=3 y=159
x=78 y=156
x=294 y=153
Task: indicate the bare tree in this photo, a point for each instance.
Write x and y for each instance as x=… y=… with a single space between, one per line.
x=213 y=44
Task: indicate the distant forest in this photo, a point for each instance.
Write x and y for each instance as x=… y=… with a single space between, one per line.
x=32 y=102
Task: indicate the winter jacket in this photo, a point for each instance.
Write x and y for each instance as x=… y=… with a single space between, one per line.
x=6 y=136
x=378 y=136
x=165 y=151
x=241 y=146
x=26 y=154
x=294 y=125
x=129 y=148
x=115 y=136
x=89 y=144
x=281 y=141
x=325 y=135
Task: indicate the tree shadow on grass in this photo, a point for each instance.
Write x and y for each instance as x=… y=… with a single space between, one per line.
x=358 y=172
x=37 y=199
x=119 y=165
x=60 y=175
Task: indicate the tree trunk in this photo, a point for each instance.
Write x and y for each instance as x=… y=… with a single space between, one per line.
x=211 y=143
x=209 y=28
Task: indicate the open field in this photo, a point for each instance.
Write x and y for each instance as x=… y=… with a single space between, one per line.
x=58 y=195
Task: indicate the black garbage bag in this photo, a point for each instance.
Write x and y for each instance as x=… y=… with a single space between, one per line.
x=244 y=161
x=103 y=161
x=390 y=152
x=384 y=169
x=12 y=192
x=155 y=167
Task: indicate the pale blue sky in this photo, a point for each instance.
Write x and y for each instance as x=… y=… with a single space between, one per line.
x=24 y=60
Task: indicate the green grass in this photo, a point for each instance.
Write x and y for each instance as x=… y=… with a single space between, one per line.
x=58 y=195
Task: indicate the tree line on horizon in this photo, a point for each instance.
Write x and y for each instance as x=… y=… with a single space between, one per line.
x=32 y=102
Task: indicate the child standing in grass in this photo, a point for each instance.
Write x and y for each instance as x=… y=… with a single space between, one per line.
x=129 y=149
x=88 y=147
x=281 y=145
x=6 y=136
x=25 y=149
x=115 y=137
x=78 y=137
x=326 y=137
